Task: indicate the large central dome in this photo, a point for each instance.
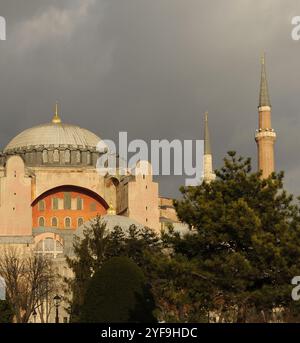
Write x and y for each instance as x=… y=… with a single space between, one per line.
x=54 y=134
x=55 y=144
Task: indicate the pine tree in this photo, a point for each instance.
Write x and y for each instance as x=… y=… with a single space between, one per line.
x=244 y=240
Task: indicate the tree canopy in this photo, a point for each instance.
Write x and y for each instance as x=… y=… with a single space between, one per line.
x=244 y=241
x=99 y=245
x=235 y=265
x=118 y=292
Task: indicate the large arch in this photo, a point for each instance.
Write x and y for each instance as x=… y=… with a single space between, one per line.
x=64 y=202
x=71 y=187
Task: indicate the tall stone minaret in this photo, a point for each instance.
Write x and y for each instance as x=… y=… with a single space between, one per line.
x=208 y=174
x=265 y=136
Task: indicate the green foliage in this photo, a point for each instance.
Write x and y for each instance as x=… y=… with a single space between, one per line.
x=118 y=293
x=6 y=313
x=237 y=262
x=244 y=240
x=98 y=246
x=180 y=292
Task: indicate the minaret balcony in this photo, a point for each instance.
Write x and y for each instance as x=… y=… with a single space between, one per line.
x=265 y=133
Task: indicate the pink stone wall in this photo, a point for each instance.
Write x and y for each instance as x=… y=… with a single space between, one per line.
x=15 y=203
x=143 y=198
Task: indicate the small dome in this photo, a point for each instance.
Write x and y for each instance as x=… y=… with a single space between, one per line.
x=54 y=134
x=111 y=222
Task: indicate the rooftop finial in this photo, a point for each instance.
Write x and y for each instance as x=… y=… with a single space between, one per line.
x=264 y=99
x=56 y=119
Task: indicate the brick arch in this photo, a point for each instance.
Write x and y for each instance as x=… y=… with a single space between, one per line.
x=62 y=202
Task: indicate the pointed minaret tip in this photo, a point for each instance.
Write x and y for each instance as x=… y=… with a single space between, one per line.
x=207 y=146
x=56 y=119
x=206 y=116
x=264 y=98
x=263 y=56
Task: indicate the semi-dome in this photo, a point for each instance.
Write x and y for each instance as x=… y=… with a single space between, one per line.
x=54 y=134
x=111 y=222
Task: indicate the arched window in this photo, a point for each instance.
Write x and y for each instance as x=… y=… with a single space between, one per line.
x=49 y=247
x=67 y=223
x=41 y=221
x=54 y=222
x=80 y=222
x=42 y=205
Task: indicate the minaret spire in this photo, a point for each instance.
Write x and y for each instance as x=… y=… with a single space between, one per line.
x=264 y=98
x=265 y=136
x=208 y=174
x=56 y=119
x=207 y=146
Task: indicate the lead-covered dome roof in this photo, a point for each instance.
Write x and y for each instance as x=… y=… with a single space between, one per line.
x=56 y=135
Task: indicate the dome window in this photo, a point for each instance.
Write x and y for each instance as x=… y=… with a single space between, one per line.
x=88 y=158
x=45 y=156
x=78 y=157
x=56 y=156
x=67 y=156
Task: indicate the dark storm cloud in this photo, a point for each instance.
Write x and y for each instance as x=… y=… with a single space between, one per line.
x=152 y=68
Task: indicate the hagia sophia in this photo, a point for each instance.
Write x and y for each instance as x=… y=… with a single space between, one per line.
x=50 y=187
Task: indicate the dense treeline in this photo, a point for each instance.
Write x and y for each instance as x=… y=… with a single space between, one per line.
x=235 y=265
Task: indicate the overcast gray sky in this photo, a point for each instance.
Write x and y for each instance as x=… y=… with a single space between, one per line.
x=151 y=68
